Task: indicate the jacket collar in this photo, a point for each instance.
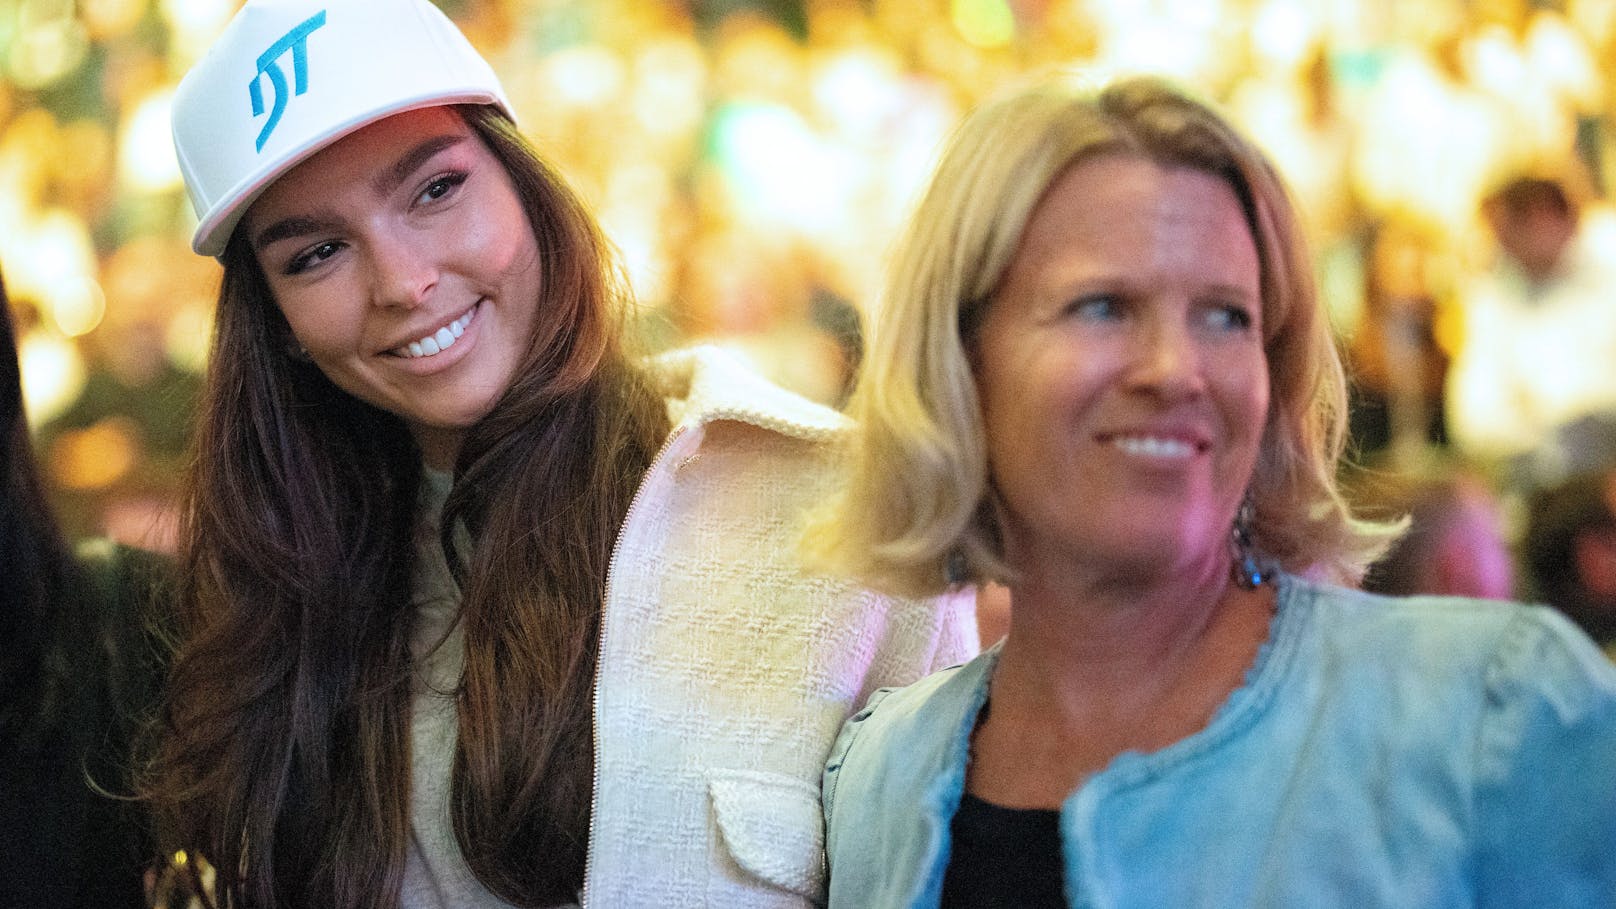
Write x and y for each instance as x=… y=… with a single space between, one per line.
x=704 y=384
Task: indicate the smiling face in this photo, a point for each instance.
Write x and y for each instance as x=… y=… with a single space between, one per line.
x=404 y=263
x=1121 y=372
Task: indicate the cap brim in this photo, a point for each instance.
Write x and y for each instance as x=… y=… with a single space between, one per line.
x=213 y=233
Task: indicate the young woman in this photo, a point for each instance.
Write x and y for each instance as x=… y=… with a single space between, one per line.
x=478 y=611
x=1102 y=378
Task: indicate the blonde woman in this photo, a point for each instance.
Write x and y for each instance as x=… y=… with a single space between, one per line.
x=1101 y=376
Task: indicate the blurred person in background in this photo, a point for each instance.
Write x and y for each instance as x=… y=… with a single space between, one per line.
x=1396 y=366
x=1454 y=544
x=1570 y=551
x=1100 y=375
x=1532 y=387
x=478 y=610
x=78 y=674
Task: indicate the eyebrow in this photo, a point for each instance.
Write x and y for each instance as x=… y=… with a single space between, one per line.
x=394 y=177
x=385 y=182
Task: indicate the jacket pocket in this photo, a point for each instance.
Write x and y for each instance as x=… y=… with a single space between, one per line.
x=772 y=826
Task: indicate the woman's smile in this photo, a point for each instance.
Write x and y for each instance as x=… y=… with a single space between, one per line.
x=1121 y=371
x=405 y=265
x=436 y=342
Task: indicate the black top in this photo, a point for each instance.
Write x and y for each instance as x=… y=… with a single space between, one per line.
x=1003 y=857
x=65 y=842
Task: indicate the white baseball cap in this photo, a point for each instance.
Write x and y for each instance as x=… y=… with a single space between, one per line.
x=289 y=77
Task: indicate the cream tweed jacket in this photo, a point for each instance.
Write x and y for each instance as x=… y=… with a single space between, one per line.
x=725 y=670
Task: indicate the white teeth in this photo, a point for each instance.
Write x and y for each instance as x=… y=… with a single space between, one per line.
x=1152 y=447
x=437 y=342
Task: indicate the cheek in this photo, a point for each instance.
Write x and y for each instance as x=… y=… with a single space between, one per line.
x=321 y=329
x=1244 y=390
x=497 y=233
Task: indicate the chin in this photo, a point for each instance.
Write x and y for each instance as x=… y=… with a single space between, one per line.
x=1160 y=555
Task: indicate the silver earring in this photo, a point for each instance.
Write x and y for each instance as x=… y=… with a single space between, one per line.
x=1249 y=571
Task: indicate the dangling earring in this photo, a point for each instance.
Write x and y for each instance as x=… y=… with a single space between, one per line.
x=1248 y=570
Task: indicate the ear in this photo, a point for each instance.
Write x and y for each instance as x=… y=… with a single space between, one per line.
x=1594 y=553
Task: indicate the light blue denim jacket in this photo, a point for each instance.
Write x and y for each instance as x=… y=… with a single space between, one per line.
x=1382 y=753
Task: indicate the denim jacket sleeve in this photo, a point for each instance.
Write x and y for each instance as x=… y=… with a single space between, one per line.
x=1546 y=770
x=838 y=754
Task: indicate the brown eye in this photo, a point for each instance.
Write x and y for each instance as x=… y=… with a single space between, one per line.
x=314 y=255
x=440 y=187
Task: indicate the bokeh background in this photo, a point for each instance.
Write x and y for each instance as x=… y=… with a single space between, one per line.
x=752 y=160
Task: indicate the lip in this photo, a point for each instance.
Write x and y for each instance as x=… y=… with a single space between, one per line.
x=472 y=320
x=467 y=319
x=1156 y=441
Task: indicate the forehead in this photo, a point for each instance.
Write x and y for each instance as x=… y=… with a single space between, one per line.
x=358 y=156
x=1123 y=202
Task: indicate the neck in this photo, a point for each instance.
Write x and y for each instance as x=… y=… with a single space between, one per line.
x=439 y=447
x=1078 y=641
x=1093 y=669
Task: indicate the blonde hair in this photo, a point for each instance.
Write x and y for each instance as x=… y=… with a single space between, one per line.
x=917 y=515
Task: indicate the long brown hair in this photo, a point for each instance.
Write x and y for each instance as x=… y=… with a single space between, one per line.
x=284 y=750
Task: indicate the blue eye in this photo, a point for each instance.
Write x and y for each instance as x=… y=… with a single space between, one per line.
x=311 y=257
x=1096 y=308
x=1232 y=317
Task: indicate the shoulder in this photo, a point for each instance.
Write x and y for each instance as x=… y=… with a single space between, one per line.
x=1506 y=655
x=921 y=720
x=1438 y=629
x=706 y=384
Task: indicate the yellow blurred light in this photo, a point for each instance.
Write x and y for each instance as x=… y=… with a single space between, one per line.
x=1594 y=18
x=53 y=252
x=26 y=148
x=755 y=58
x=96 y=457
x=82 y=162
x=1560 y=56
x=146 y=159
x=984 y=23
x=859 y=90
x=50 y=43
x=584 y=76
x=195 y=24
x=78 y=307
x=670 y=77
x=186 y=337
x=110 y=19
x=1283 y=32
x=635 y=199
x=180 y=858
x=52 y=375
x=1598 y=225
x=779 y=170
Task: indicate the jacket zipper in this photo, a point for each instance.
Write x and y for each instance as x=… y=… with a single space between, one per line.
x=740 y=414
x=600 y=655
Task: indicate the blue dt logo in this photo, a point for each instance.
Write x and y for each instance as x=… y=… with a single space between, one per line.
x=269 y=65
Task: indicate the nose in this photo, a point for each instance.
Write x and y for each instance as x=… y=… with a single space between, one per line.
x=403 y=271
x=1167 y=361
